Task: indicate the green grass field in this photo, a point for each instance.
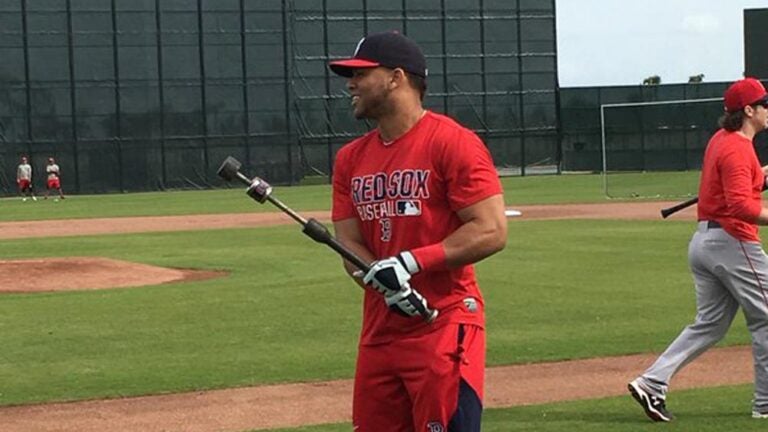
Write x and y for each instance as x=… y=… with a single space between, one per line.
x=577 y=188
x=561 y=290
x=673 y=184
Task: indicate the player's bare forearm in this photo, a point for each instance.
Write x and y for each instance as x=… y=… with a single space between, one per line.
x=483 y=233
x=347 y=232
x=762 y=217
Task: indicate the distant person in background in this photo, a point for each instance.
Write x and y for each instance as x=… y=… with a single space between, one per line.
x=54 y=181
x=24 y=180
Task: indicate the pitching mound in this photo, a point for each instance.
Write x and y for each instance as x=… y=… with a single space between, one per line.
x=86 y=273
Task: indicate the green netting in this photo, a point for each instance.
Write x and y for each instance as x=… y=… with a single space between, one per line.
x=644 y=131
x=152 y=94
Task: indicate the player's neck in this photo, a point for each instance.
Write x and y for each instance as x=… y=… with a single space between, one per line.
x=748 y=130
x=394 y=126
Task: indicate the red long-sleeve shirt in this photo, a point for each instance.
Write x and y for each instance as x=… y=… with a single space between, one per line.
x=731 y=184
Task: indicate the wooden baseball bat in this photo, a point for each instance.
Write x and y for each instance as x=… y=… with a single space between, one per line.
x=665 y=212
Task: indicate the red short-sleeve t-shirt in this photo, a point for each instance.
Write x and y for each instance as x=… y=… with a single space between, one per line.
x=405 y=195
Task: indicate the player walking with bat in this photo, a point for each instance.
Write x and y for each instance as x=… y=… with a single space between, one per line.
x=729 y=266
x=420 y=195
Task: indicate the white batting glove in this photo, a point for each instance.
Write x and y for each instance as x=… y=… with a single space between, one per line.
x=391 y=274
x=406 y=301
x=408 y=261
x=387 y=275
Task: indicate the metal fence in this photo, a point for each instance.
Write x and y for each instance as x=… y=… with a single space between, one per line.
x=643 y=137
x=135 y=95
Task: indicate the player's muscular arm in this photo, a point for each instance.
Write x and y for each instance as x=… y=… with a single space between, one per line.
x=483 y=233
x=348 y=233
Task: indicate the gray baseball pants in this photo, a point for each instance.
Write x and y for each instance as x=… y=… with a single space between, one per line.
x=728 y=274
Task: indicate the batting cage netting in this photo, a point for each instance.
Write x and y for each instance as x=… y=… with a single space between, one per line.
x=666 y=136
x=647 y=141
x=133 y=95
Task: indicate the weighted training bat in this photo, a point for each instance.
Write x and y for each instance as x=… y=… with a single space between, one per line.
x=665 y=212
x=261 y=191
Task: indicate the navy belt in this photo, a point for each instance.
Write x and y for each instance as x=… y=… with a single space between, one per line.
x=713 y=224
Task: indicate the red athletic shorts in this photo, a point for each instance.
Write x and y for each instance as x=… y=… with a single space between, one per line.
x=24 y=184
x=54 y=183
x=429 y=383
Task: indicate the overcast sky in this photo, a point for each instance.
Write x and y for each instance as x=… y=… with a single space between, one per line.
x=617 y=42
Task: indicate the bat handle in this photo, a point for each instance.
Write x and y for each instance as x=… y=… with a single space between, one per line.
x=319 y=233
x=426 y=312
x=676 y=208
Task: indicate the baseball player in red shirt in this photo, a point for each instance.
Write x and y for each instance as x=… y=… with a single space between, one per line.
x=54 y=178
x=419 y=194
x=24 y=179
x=729 y=266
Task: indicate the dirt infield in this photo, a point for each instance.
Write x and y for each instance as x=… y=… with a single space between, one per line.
x=313 y=403
x=80 y=227
x=88 y=273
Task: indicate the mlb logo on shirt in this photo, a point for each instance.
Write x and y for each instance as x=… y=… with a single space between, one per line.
x=408 y=208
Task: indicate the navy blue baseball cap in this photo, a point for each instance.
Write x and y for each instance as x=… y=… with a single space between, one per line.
x=388 y=49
